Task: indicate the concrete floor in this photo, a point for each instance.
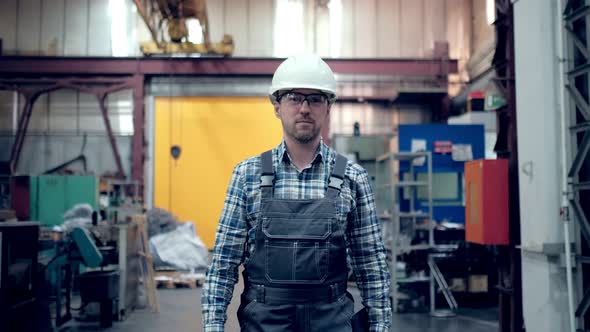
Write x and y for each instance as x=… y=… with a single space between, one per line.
x=180 y=311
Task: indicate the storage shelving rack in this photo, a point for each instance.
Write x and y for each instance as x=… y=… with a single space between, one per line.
x=389 y=185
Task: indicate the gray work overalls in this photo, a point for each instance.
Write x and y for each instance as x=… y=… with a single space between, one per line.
x=296 y=277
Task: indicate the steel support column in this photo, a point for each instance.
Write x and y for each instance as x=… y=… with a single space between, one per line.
x=23 y=125
x=107 y=124
x=138 y=127
x=510 y=271
x=577 y=26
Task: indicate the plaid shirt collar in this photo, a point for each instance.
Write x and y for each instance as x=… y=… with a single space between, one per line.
x=320 y=154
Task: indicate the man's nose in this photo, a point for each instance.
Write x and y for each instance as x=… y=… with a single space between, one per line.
x=305 y=107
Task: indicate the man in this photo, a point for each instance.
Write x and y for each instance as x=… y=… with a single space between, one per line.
x=290 y=215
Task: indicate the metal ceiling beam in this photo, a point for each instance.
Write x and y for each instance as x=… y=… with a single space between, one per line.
x=106 y=66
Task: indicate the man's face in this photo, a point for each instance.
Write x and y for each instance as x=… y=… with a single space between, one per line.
x=302 y=113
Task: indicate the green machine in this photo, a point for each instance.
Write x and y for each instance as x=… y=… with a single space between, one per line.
x=52 y=195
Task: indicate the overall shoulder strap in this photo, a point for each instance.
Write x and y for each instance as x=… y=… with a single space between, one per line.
x=337 y=177
x=267 y=176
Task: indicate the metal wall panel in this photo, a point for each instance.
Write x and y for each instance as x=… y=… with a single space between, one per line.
x=28 y=27
x=90 y=115
x=63 y=106
x=412 y=28
x=482 y=33
x=322 y=32
x=458 y=28
x=236 y=24
x=41 y=152
x=6 y=104
x=52 y=27
x=76 y=27
x=216 y=16
x=388 y=28
x=99 y=28
x=260 y=35
x=39 y=115
x=365 y=32
x=434 y=16
x=348 y=30
x=309 y=25
x=140 y=30
x=369 y=28
x=8 y=23
x=120 y=108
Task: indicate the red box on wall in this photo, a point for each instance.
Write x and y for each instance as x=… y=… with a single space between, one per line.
x=486 y=202
x=20 y=197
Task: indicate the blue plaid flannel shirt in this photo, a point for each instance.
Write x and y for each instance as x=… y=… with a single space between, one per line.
x=239 y=218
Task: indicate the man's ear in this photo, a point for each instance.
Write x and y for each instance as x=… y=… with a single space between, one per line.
x=277 y=108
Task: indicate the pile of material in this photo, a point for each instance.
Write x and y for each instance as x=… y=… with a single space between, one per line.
x=175 y=245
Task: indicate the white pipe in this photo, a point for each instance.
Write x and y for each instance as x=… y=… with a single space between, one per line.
x=562 y=109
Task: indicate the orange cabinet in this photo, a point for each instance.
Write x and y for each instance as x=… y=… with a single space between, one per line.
x=486 y=198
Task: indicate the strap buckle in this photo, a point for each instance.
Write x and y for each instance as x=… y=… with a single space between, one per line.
x=335 y=182
x=266 y=180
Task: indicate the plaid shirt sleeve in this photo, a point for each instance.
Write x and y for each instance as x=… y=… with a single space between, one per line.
x=227 y=255
x=368 y=256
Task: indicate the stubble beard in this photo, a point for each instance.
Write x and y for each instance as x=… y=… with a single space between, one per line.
x=303 y=137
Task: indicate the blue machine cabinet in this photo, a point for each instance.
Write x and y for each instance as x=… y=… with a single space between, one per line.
x=448 y=174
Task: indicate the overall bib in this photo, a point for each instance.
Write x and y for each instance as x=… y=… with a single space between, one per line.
x=296 y=277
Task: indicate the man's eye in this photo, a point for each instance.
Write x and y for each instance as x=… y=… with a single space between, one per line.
x=316 y=98
x=295 y=98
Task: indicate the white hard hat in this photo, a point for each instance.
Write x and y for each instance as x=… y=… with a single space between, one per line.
x=307 y=71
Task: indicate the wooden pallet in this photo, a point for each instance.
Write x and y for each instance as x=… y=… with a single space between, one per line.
x=174 y=279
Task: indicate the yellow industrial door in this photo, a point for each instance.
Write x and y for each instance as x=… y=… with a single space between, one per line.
x=211 y=135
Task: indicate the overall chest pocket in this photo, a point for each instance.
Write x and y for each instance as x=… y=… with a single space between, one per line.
x=297 y=250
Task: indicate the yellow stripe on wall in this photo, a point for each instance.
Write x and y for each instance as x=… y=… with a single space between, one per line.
x=214 y=134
